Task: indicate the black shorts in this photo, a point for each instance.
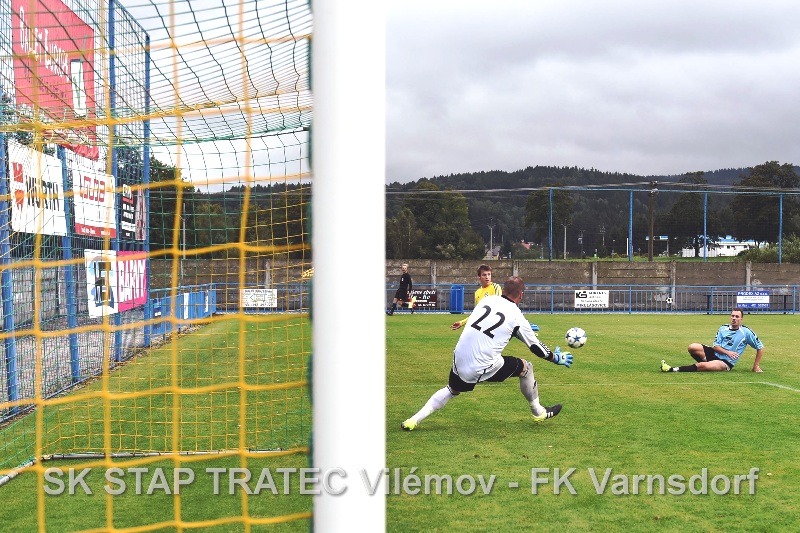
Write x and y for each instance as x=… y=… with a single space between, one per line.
x=401 y=295
x=711 y=355
x=512 y=366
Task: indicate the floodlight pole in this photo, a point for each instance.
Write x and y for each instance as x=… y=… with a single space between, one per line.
x=653 y=192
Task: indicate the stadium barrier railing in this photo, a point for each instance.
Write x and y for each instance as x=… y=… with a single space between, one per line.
x=784 y=299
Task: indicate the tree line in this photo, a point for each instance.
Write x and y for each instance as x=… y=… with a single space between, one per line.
x=457 y=216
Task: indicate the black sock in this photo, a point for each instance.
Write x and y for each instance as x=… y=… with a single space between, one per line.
x=394 y=306
x=687 y=368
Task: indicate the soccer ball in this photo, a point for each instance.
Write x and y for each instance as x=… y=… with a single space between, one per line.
x=576 y=337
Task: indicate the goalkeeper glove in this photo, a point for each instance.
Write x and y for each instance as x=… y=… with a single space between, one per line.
x=562 y=358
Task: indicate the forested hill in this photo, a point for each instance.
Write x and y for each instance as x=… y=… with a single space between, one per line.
x=540 y=176
x=499 y=208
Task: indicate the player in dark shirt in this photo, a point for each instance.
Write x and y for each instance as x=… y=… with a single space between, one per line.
x=403 y=293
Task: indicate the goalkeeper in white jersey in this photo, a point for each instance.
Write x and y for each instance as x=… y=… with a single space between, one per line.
x=478 y=354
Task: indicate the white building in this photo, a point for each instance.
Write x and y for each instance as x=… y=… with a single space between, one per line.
x=725 y=247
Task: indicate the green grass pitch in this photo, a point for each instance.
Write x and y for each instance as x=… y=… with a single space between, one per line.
x=620 y=412
x=276 y=353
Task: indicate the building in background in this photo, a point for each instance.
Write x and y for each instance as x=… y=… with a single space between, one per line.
x=725 y=247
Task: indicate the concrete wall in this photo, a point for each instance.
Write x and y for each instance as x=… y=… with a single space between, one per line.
x=261 y=271
x=586 y=274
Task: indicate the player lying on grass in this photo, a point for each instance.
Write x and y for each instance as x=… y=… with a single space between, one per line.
x=478 y=354
x=729 y=344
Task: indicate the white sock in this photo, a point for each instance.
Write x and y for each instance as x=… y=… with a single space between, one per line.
x=436 y=402
x=530 y=389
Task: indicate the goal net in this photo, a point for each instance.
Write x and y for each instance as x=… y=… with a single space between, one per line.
x=154 y=251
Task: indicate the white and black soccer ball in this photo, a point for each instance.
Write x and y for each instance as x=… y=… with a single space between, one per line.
x=575 y=337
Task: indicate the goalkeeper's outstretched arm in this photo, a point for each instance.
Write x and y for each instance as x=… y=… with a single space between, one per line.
x=539 y=349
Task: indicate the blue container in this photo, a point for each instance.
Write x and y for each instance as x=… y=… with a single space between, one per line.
x=456 y=299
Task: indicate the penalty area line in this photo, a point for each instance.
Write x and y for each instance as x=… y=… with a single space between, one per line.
x=655 y=383
x=777 y=385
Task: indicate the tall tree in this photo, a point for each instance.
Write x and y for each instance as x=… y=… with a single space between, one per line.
x=537 y=209
x=757 y=215
x=164 y=183
x=403 y=237
x=685 y=218
x=442 y=219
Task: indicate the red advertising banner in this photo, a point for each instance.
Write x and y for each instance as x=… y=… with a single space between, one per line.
x=54 y=70
x=131 y=279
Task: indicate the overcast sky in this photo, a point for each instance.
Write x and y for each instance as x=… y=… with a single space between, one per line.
x=644 y=87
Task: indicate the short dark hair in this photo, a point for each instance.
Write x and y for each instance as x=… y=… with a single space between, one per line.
x=513 y=287
x=741 y=312
x=484 y=268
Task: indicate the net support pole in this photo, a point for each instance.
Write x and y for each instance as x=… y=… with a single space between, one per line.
x=348 y=360
x=112 y=82
x=69 y=273
x=148 y=306
x=6 y=282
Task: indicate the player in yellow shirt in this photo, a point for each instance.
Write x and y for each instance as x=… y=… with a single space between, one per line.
x=487 y=289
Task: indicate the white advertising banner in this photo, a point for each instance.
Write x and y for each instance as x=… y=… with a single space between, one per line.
x=101 y=282
x=752 y=299
x=95 y=210
x=591 y=299
x=261 y=298
x=37 y=195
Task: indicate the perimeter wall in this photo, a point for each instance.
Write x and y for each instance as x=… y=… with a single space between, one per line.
x=585 y=274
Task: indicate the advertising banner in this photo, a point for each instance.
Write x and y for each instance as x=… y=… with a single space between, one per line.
x=53 y=51
x=591 y=299
x=116 y=281
x=752 y=299
x=259 y=298
x=95 y=209
x=37 y=196
x=127 y=213
x=424 y=299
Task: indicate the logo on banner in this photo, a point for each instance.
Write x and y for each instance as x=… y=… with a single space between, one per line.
x=591 y=299
x=53 y=51
x=139 y=217
x=95 y=209
x=127 y=213
x=424 y=299
x=101 y=281
x=259 y=298
x=752 y=299
x=132 y=221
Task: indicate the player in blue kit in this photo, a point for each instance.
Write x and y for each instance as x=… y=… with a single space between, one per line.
x=729 y=344
x=478 y=354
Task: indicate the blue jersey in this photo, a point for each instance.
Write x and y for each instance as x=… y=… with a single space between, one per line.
x=736 y=340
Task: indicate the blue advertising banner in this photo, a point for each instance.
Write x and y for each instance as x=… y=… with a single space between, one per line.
x=752 y=299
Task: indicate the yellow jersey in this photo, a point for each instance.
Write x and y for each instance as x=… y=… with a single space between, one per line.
x=493 y=289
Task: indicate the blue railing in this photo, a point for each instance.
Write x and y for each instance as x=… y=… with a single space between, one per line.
x=190 y=303
x=621 y=298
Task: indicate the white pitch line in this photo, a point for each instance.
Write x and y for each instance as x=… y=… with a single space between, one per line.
x=661 y=383
x=777 y=385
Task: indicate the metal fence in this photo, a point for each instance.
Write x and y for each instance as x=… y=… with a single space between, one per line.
x=621 y=299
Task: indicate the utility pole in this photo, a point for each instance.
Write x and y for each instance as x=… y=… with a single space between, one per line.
x=653 y=191
x=491 y=237
x=183 y=241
